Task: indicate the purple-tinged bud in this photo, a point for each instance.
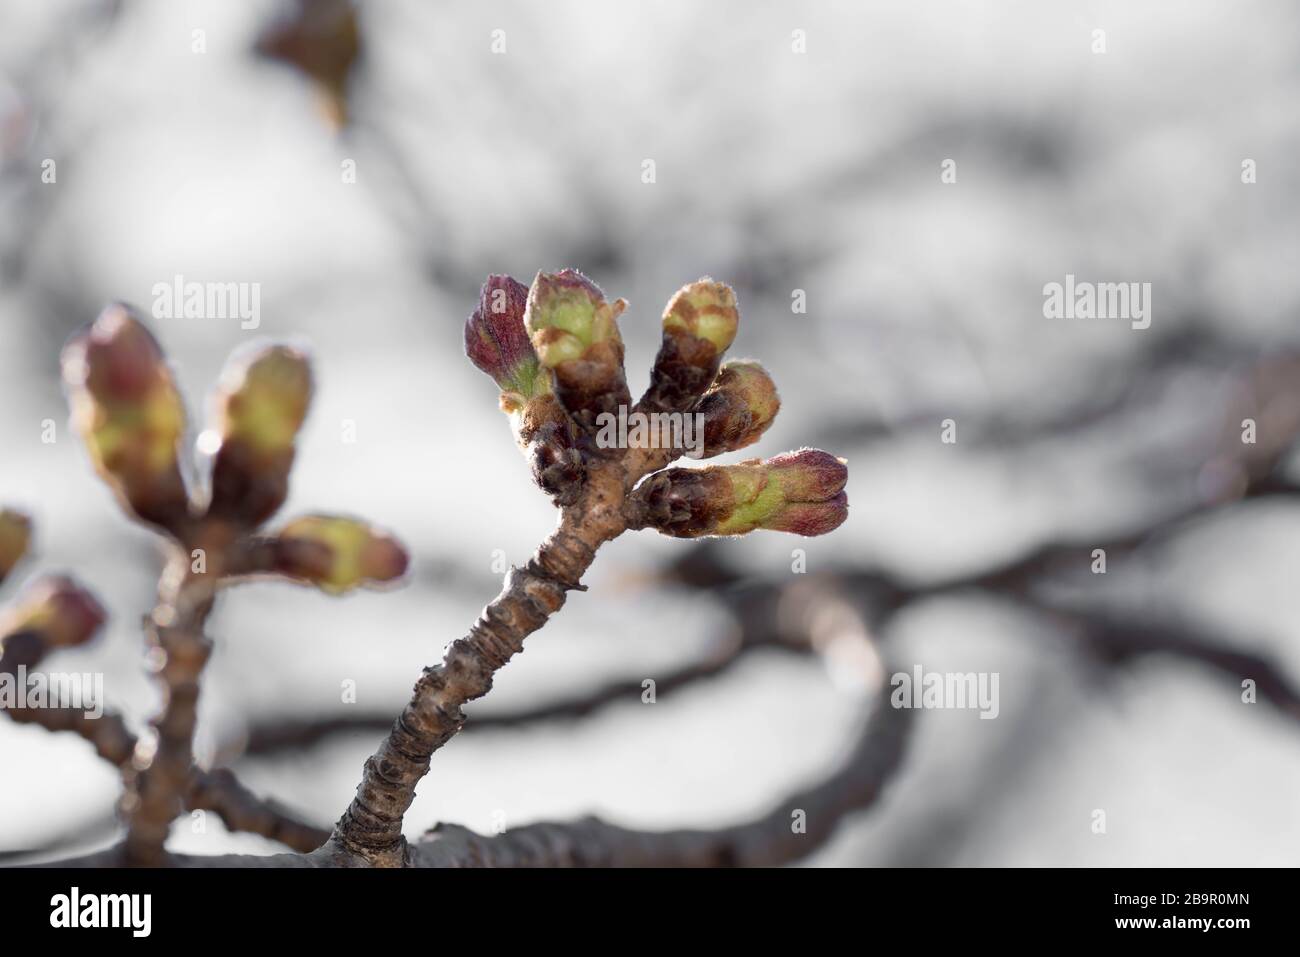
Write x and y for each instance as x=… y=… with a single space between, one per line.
x=800 y=492
x=56 y=608
x=575 y=333
x=259 y=408
x=808 y=475
x=127 y=409
x=738 y=408
x=15 y=538
x=699 y=323
x=338 y=554
x=497 y=342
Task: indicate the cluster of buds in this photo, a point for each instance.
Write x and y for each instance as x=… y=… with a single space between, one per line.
x=556 y=354
x=52 y=611
x=128 y=410
x=497 y=342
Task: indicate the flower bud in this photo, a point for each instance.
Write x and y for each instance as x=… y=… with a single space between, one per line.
x=738 y=408
x=15 y=537
x=700 y=322
x=56 y=608
x=129 y=413
x=498 y=344
x=323 y=40
x=338 y=554
x=575 y=333
x=260 y=406
x=800 y=492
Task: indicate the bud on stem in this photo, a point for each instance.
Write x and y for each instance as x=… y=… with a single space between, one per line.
x=338 y=554
x=700 y=322
x=15 y=537
x=56 y=608
x=497 y=342
x=800 y=492
x=738 y=408
x=575 y=333
x=260 y=407
x=130 y=415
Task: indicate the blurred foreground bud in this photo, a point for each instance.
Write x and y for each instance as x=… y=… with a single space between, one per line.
x=700 y=322
x=56 y=608
x=800 y=492
x=738 y=408
x=575 y=333
x=15 y=537
x=129 y=413
x=338 y=554
x=321 y=38
x=260 y=407
x=498 y=344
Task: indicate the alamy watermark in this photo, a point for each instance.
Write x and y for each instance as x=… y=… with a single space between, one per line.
x=179 y=299
x=133 y=912
x=946 y=689
x=651 y=430
x=1098 y=300
x=83 y=691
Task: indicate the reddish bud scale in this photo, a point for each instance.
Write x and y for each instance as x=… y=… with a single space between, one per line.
x=738 y=408
x=549 y=440
x=56 y=608
x=495 y=338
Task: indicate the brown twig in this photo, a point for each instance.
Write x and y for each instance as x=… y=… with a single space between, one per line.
x=795 y=827
x=276 y=734
x=371 y=826
x=218 y=790
x=240 y=809
x=160 y=774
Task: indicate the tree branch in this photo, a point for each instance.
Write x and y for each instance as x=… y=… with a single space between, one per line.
x=276 y=734
x=830 y=623
x=155 y=793
x=371 y=827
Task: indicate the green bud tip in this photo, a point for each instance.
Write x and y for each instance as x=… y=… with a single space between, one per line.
x=58 y=609
x=263 y=398
x=340 y=553
x=567 y=315
x=704 y=310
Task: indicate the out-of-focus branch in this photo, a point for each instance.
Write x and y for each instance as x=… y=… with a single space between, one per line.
x=107 y=734
x=240 y=809
x=756 y=628
x=155 y=793
x=1117 y=638
x=218 y=791
x=795 y=827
